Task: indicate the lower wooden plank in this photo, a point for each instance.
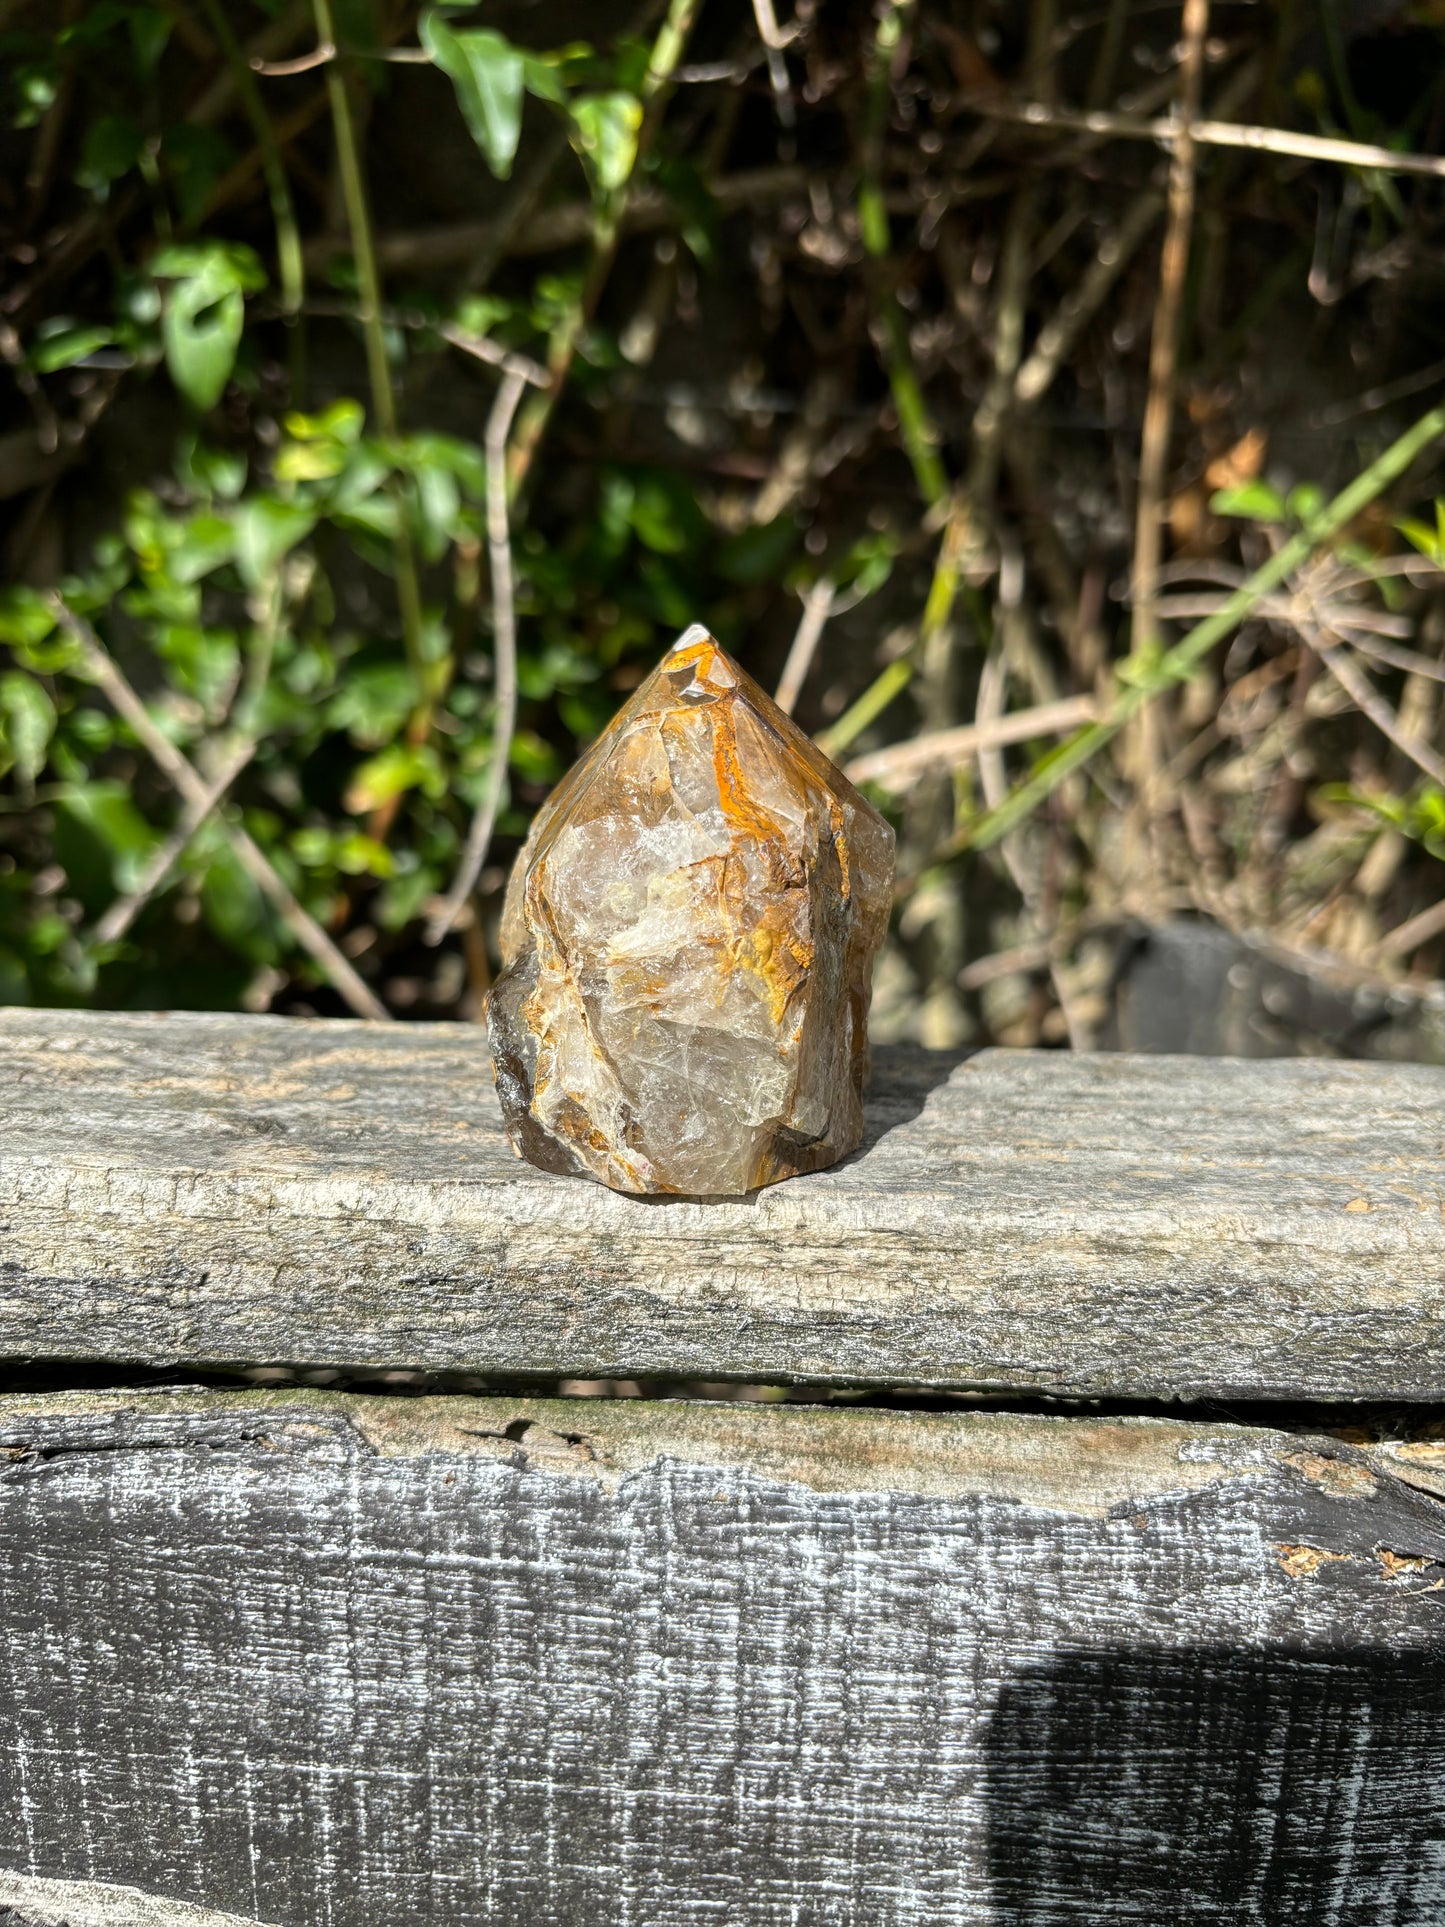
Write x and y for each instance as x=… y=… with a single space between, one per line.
x=327 y=1660
x=27 y=1902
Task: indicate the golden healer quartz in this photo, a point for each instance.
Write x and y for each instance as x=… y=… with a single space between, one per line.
x=688 y=944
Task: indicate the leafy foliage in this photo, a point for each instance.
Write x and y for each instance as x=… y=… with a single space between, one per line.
x=303 y=598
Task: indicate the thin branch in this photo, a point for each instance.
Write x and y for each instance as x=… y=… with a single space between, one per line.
x=904 y=763
x=1164 y=342
x=124 y=911
x=1410 y=660
x=1416 y=930
x=1059 y=333
x=777 y=66
x=430 y=676
x=283 y=210
x=504 y=629
x=1183 y=661
x=1210 y=133
x=817 y=607
x=988 y=715
x=609 y=215
x=1367 y=699
x=196 y=792
x=325 y=53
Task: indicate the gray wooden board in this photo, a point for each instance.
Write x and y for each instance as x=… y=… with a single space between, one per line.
x=228 y=1189
x=323 y=1658
x=29 y=1902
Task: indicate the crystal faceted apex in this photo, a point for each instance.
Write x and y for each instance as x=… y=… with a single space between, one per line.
x=688 y=944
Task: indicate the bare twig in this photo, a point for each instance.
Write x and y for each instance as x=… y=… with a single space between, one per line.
x=1409 y=660
x=1210 y=133
x=903 y=763
x=777 y=66
x=988 y=715
x=122 y=914
x=1079 y=306
x=1416 y=930
x=1367 y=699
x=325 y=53
x=302 y=64
x=196 y=792
x=113 y=925
x=504 y=629
x=609 y=215
x=480 y=348
x=817 y=607
x=1164 y=343
x=1185 y=658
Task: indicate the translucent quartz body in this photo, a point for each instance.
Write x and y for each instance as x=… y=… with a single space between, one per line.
x=688 y=945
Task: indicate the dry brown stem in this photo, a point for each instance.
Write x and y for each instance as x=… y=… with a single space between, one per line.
x=504 y=633
x=193 y=787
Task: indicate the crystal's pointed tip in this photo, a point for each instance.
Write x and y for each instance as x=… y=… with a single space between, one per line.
x=694 y=633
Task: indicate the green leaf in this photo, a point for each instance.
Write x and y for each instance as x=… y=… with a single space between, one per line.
x=540 y=77
x=150 y=29
x=1305 y=501
x=1430 y=542
x=1254 y=502
x=101 y=839
x=25 y=617
x=342 y=421
x=202 y=331
x=27 y=722
x=206 y=541
x=759 y=554
x=111 y=148
x=605 y=128
x=373 y=702
x=395 y=770
x=195 y=158
x=487 y=72
x=66 y=346
x=204 y=313
x=266 y=530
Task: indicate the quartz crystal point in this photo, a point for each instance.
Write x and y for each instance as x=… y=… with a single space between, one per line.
x=688 y=944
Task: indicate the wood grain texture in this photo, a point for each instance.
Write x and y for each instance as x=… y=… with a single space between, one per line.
x=332 y=1661
x=27 y=1902
x=220 y=1189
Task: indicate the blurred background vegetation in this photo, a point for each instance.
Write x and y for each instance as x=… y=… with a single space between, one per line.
x=390 y=384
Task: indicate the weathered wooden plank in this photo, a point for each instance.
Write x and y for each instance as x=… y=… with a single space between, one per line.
x=214 y=1189
x=335 y=1661
x=26 y=1902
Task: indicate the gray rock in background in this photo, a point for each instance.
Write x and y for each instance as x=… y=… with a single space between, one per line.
x=1199 y=989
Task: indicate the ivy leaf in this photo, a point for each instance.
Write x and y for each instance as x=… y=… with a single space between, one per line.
x=398 y=768
x=204 y=312
x=1253 y=502
x=112 y=147
x=487 y=72
x=605 y=128
x=267 y=530
x=63 y=347
x=26 y=617
x=27 y=723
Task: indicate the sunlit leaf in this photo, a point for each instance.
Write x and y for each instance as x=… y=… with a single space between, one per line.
x=605 y=128
x=1252 y=502
x=27 y=722
x=266 y=530
x=395 y=770
x=487 y=72
x=204 y=313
